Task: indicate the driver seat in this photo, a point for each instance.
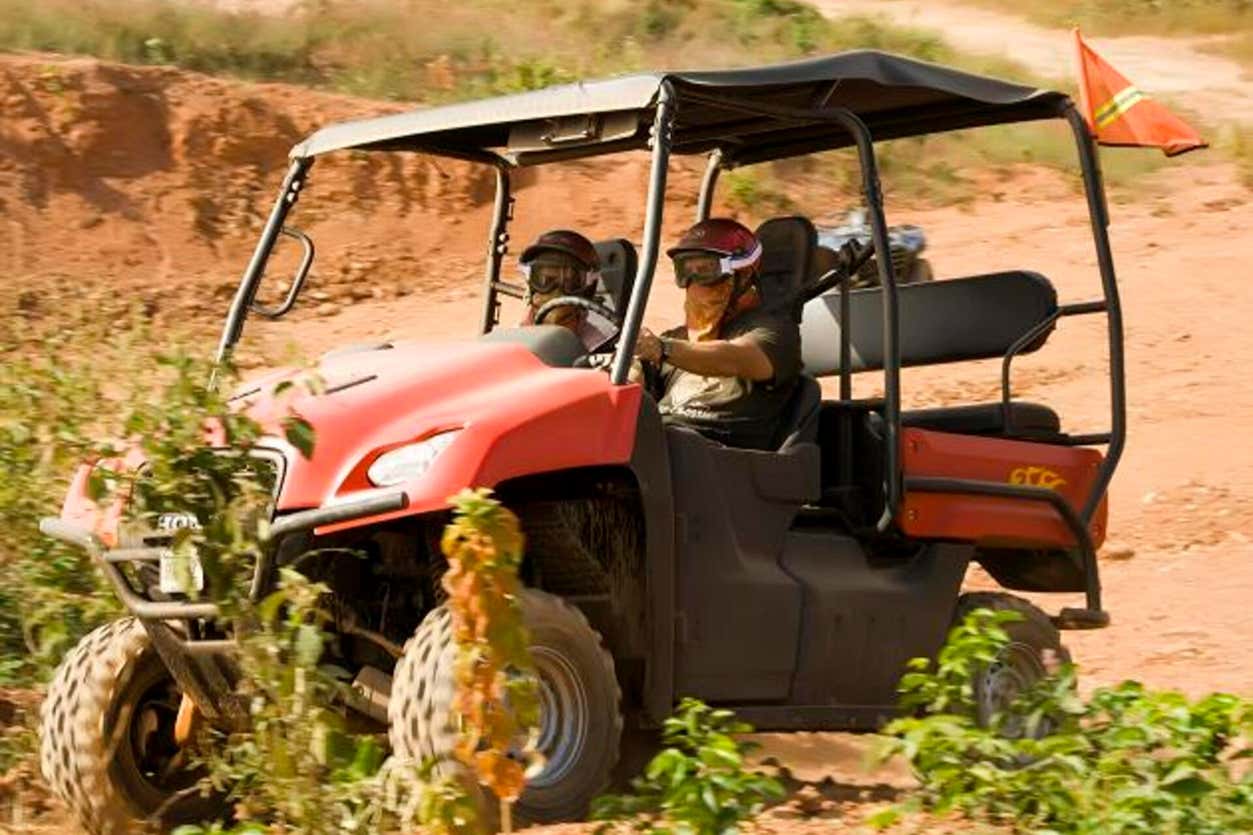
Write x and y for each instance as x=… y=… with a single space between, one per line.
x=788 y=247
x=618 y=263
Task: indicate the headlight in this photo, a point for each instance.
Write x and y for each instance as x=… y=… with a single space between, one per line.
x=408 y=463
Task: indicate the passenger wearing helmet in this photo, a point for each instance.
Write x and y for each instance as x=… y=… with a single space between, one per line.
x=729 y=370
x=564 y=263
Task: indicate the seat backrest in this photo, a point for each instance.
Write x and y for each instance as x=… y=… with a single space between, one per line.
x=799 y=421
x=617 y=273
x=787 y=259
x=942 y=321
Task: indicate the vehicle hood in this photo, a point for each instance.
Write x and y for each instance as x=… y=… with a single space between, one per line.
x=514 y=416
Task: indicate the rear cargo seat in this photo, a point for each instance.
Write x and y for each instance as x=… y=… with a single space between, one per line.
x=1027 y=420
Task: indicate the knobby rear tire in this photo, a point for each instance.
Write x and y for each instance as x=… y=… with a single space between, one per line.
x=1035 y=648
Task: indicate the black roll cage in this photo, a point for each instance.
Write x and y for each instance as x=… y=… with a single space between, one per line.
x=660 y=146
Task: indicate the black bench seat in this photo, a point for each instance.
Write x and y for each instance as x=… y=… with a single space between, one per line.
x=1027 y=420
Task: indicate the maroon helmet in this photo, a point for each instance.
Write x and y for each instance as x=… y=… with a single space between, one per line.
x=714 y=249
x=563 y=240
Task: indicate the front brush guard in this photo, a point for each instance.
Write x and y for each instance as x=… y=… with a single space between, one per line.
x=202 y=668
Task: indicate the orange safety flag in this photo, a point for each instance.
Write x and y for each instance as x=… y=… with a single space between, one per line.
x=1120 y=114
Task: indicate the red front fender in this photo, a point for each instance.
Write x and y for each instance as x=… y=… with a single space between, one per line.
x=513 y=415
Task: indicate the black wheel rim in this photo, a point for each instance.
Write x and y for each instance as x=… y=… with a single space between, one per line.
x=149 y=766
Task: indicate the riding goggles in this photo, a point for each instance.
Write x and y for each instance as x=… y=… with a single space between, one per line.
x=546 y=275
x=705 y=268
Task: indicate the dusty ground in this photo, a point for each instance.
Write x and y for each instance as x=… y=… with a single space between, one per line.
x=153 y=183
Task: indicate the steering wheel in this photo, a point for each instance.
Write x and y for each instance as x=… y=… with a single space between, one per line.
x=583 y=304
x=574 y=301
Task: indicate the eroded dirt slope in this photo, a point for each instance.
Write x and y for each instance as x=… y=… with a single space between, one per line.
x=155 y=182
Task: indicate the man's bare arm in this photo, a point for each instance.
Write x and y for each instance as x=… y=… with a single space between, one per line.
x=739 y=357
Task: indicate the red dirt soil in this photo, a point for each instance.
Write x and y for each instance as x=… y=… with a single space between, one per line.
x=152 y=183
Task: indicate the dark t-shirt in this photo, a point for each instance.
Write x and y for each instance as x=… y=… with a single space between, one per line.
x=732 y=410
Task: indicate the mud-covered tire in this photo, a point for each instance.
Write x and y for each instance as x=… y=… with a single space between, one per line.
x=578 y=686
x=98 y=737
x=1035 y=648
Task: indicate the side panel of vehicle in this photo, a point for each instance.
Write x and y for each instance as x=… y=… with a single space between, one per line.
x=866 y=615
x=988 y=520
x=738 y=619
x=650 y=464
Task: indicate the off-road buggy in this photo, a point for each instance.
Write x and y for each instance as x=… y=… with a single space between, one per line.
x=790 y=585
x=907 y=241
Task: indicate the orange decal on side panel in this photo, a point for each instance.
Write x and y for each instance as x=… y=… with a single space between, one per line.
x=1036 y=477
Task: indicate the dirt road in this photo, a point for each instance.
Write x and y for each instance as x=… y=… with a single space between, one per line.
x=1183 y=70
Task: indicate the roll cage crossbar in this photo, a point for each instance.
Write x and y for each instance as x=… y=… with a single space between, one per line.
x=814 y=125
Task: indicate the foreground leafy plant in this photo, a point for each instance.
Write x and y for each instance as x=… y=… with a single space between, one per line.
x=296 y=766
x=497 y=692
x=200 y=462
x=50 y=410
x=699 y=784
x=1127 y=760
x=297 y=763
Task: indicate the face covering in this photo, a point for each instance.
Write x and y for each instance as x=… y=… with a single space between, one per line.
x=704 y=307
x=707 y=307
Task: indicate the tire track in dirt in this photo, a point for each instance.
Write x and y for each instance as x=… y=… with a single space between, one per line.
x=1184 y=69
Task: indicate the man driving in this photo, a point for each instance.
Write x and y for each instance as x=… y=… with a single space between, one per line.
x=729 y=370
x=564 y=263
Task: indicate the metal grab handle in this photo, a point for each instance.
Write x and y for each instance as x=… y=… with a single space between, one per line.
x=298 y=280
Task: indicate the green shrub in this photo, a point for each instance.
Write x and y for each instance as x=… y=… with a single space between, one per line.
x=296 y=766
x=699 y=783
x=296 y=763
x=1126 y=760
x=50 y=413
x=187 y=472
x=758 y=190
x=299 y=765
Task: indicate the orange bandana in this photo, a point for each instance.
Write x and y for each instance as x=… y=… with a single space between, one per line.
x=707 y=308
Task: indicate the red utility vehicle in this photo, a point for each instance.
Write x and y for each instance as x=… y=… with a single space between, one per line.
x=790 y=585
